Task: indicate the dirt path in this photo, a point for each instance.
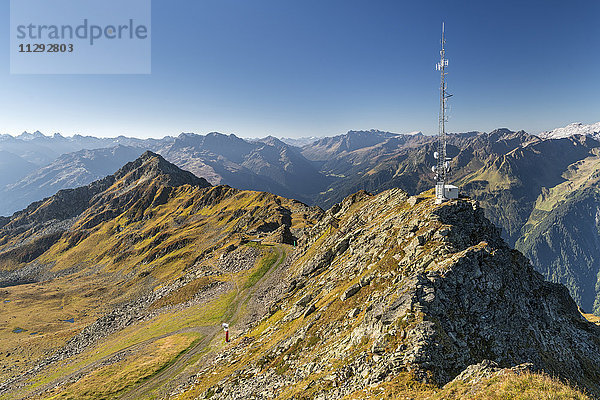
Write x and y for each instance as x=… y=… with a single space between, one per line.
x=161 y=384
x=158 y=381
x=75 y=375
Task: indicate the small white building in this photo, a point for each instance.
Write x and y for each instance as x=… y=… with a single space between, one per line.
x=445 y=192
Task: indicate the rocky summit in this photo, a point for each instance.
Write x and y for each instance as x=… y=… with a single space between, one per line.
x=390 y=286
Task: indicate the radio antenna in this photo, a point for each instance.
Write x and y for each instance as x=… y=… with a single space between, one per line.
x=443 y=191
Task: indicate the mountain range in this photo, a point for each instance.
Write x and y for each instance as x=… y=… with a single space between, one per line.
x=118 y=289
x=542 y=191
x=267 y=164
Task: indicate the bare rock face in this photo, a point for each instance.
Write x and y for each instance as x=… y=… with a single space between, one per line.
x=486 y=302
x=281 y=235
x=488 y=369
x=397 y=286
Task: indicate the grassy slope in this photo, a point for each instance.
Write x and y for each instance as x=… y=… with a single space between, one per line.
x=122 y=259
x=509 y=385
x=577 y=177
x=38 y=309
x=110 y=380
x=151 y=345
x=512 y=386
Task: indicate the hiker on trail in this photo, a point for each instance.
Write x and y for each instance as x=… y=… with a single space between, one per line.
x=226 y=329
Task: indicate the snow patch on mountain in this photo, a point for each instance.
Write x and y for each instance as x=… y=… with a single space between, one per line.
x=576 y=128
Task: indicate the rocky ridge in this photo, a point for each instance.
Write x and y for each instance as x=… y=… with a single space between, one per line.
x=389 y=285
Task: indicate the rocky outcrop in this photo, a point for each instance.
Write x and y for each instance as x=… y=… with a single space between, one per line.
x=487 y=369
x=396 y=288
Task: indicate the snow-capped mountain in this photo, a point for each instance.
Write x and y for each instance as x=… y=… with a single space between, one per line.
x=30 y=136
x=576 y=128
x=299 y=142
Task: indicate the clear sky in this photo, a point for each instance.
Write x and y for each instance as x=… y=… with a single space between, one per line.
x=322 y=67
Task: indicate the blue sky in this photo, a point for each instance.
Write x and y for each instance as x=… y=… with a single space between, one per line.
x=322 y=67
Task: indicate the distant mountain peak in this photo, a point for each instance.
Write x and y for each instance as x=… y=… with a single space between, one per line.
x=153 y=166
x=501 y=131
x=299 y=142
x=575 y=128
x=30 y=136
x=272 y=141
x=372 y=132
x=223 y=136
x=136 y=182
x=328 y=147
x=187 y=134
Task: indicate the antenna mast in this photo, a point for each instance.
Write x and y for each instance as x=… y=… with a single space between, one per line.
x=442 y=190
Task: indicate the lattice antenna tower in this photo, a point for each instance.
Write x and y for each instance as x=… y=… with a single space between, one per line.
x=443 y=162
